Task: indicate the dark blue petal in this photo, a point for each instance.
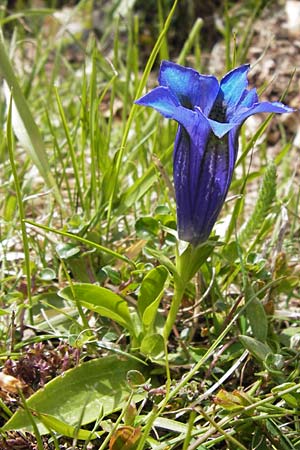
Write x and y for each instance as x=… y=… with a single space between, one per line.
x=214 y=181
x=264 y=107
x=203 y=167
x=160 y=99
x=187 y=166
x=191 y=88
x=220 y=129
x=163 y=100
x=248 y=99
x=233 y=85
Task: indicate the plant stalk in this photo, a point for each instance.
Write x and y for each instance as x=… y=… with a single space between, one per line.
x=175 y=305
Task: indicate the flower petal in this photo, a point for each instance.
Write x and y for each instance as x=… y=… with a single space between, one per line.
x=214 y=180
x=220 y=129
x=163 y=100
x=203 y=168
x=160 y=99
x=248 y=99
x=264 y=107
x=188 y=155
x=233 y=85
x=191 y=88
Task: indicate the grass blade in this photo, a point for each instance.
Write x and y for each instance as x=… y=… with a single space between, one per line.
x=10 y=145
x=24 y=125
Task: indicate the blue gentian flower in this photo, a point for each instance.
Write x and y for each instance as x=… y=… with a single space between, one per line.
x=210 y=115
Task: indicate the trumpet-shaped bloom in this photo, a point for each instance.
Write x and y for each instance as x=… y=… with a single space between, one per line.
x=209 y=115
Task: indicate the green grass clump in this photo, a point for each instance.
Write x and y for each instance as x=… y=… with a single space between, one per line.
x=88 y=238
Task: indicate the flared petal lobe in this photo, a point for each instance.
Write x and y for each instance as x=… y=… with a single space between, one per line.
x=162 y=100
x=210 y=116
x=242 y=113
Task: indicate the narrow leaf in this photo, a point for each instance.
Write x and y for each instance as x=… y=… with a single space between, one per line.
x=258 y=349
x=257 y=317
x=54 y=424
x=23 y=123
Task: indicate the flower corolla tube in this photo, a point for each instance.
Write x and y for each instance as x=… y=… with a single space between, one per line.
x=210 y=114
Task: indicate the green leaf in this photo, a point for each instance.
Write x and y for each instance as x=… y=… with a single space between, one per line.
x=258 y=349
x=32 y=12
x=191 y=258
x=151 y=292
x=54 y=424
x=163 y=259
x=24 y=125
x=101 y=300
x=135 y=379
x=67 y=250
x=81 y=394
x=153 y=345
x=292 y=398
x=146 y=227
x=275 y=431
x=257 y=317
x=47 y=274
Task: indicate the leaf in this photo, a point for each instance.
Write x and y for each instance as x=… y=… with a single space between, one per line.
x=291 y=398
x=153 y=345
x=275 y=431
x=163 y=259
x=146 y=227
x=23 y=123
x=257 y=317
x=137 y=191
x=170 y=424
x=81 y=394
x=135 y=379
x=54 y=424
x=151 y=292
x=232 y=400
x=101 y=300
x=125 y=438
x=258 y=349
x=228 y=400
x=191 y=258
x=67 y=250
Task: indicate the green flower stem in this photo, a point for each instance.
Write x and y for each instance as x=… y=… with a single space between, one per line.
x=175 y=305
x=188 y=262
x=181 y=278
